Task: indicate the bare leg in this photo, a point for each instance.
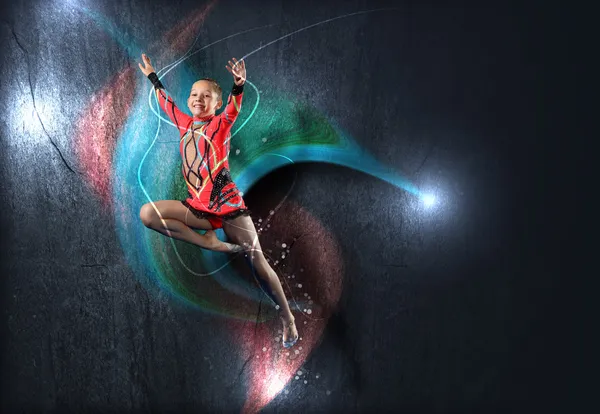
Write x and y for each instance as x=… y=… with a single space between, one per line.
x=173 y=219
x=242 y=232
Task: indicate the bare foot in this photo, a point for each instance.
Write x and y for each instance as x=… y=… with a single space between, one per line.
x=290 y=333
x=217 y=245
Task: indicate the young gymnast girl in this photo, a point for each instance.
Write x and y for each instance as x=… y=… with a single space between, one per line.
x=214 y=200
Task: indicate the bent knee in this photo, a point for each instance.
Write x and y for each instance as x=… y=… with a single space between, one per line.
x=147 y=214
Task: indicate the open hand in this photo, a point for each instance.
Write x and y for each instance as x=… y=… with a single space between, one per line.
x=238 y=70
x=147 y=68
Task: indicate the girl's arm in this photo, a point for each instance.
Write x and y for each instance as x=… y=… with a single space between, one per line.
x=165 y=101
x=234 y=101
x=234 y=104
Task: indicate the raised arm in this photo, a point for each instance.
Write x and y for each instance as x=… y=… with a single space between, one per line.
x=165 y=101
x=234 y=101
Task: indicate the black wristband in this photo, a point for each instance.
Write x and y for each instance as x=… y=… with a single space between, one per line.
x=155 y=81
x=237 y=89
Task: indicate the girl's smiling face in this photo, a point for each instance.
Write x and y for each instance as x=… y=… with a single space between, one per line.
x=203 y=100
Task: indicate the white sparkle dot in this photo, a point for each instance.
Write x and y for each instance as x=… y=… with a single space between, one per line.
x=264 y=140
x=260 y=220
x=309 y=311
x=305 y=294
x=317 y=376
x=268 y=225
x=272 y=212
x=284 y=245
x=286 y=391
x=283 y=255
x=299 y=372
x=287 y=353
x=306 y=382
x=241 y=193
x=299 y=285
x=300 y=338
x=296 y=352
x=300 y=348
x=305 y=322
x=237 y=151
x=297 y=377
x=276 y=306
x=264 y=349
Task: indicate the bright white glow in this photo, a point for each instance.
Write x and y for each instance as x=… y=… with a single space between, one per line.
x=428 y=200
x=275 y=385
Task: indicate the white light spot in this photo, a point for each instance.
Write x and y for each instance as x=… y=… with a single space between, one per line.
x=296 y=377
x=272 y=212
x=237 y=151
x=260 y=220
x=264 y=140
x=306 y=382
x=296 y=352
x=264 y=349
x=284 y=245
x=309 y=311
x=299 y=372
x=299 y=285
x=428 y=200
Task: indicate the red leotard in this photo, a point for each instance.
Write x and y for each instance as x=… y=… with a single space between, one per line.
x=204 y=149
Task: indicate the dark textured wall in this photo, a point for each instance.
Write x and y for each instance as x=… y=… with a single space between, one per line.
x=442 y=311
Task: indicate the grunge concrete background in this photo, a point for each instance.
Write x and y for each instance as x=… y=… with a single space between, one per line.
x=448 y=308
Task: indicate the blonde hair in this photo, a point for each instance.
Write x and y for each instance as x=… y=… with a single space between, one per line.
x=215 y=87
